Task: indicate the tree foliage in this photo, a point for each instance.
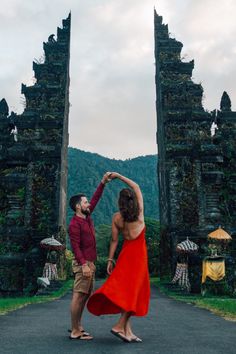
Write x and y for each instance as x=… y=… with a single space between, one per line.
x=86 y=169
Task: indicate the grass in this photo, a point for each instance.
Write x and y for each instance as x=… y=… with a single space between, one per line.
x=11 y=304
x=224 y=306
x=220 y=305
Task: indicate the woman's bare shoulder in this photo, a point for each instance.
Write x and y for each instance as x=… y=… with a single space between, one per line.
x=118 y=220
x=116 y=216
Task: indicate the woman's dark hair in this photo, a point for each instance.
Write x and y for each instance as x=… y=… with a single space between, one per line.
x=76 y=199
x=128 y=205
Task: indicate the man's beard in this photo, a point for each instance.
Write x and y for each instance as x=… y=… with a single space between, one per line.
x=85 y=211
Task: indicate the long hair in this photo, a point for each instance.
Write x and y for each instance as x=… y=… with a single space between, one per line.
x=128 y=205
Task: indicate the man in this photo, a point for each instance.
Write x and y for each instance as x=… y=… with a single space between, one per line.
x=83 y=243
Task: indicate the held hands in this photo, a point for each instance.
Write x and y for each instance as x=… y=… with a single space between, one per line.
x=110 y=176
x=106 y=178
x=114 y=175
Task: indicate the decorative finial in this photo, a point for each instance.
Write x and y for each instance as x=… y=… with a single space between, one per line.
x=225 y=103
x=4 y=109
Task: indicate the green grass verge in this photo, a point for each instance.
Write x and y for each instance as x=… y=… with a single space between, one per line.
x=11 y=304
x=221 y=305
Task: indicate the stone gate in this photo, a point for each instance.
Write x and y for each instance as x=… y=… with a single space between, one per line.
x=33 y=168
x=196 y=169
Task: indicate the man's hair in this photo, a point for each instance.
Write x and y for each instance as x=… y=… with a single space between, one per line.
x=75 y=199
x=128 y=205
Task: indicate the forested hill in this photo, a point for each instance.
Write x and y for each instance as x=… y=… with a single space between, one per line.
x=86 y=169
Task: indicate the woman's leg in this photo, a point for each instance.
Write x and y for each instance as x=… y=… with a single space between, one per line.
x=124 y=330
x=129 y=333
x=121 y=324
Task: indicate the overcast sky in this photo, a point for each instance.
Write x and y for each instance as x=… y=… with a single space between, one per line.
x=112 y=70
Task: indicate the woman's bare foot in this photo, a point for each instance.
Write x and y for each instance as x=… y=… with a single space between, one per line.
x=130 y=335
x=136 y=339
x=120 y=335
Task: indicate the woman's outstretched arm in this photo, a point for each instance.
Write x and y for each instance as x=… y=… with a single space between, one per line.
x=132 y=185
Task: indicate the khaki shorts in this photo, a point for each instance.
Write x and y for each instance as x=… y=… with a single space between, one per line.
x=82 y=284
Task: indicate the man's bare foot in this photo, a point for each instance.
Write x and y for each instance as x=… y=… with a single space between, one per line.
x=82 y=336
x=82 y=331
x=75 y=333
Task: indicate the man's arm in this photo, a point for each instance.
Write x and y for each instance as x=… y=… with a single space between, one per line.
x=74 y=234
x=98 y=193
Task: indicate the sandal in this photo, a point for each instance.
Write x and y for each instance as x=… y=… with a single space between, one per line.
x=83 y=331
x=81 y=337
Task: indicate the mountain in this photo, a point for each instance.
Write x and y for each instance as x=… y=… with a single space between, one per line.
x=85 y=170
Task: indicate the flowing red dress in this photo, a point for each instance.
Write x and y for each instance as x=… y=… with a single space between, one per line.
x=128 y=287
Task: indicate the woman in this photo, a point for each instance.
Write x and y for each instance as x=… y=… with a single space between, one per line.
x=127 y=290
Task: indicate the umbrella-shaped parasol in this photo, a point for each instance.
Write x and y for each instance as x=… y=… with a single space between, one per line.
x=220 y=234
x=51 y=243
x=187 y=246
x=43 y=282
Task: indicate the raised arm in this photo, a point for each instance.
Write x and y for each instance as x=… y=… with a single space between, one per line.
x=98 y=193
x=135 y=188
x=113 y=245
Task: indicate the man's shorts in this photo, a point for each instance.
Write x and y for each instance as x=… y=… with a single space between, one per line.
x=82 y=284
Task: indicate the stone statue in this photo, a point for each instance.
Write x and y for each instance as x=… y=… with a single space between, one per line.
x=13 y=130
x=213 y=129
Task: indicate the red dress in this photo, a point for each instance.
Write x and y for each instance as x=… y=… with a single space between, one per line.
x=128 y=287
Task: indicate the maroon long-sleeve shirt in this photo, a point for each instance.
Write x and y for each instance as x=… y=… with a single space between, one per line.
x=82 y=232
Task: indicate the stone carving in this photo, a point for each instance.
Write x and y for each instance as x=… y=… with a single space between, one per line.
x=51 y=38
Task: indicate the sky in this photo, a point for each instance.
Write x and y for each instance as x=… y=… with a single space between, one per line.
x=112 y=91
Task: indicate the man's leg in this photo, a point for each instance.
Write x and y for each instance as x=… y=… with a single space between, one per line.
x=77 y=307
x=83 y=303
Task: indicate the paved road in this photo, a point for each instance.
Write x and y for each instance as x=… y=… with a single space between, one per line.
x=171 y=327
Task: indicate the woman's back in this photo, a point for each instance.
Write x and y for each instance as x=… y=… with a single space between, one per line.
x=129 y=230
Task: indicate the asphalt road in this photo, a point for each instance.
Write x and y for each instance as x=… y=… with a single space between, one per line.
x=171 y=327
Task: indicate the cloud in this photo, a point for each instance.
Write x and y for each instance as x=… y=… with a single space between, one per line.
x=112 y=90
